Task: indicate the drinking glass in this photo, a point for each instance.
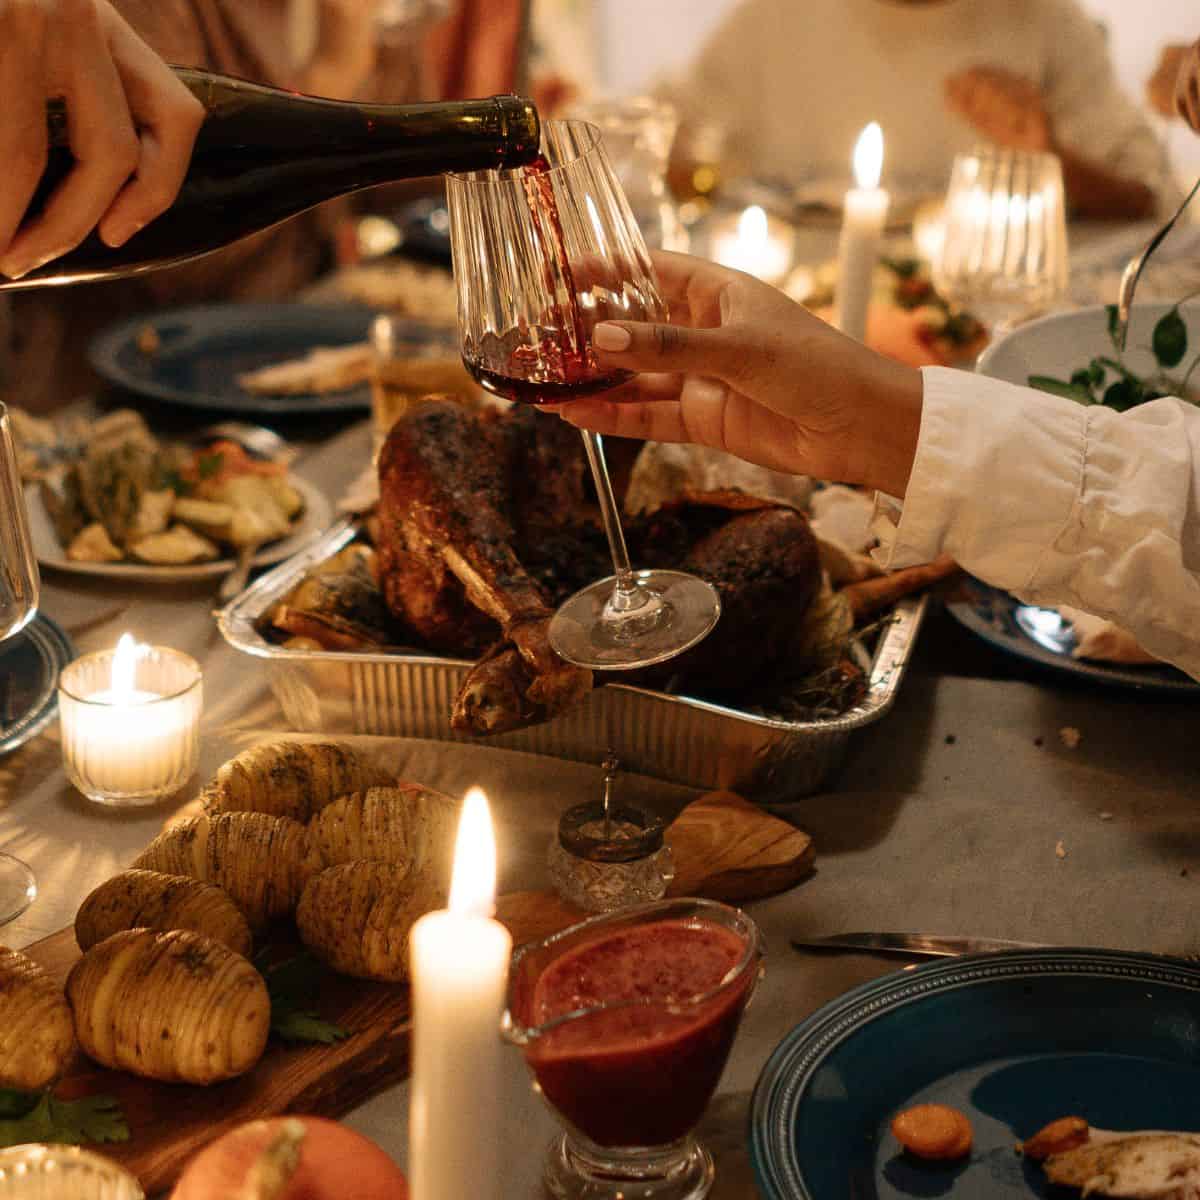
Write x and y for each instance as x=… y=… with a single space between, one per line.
x=541 y=255
x=18 y=606
x=631 y=1077
x=1004 y=254
x=638 y=133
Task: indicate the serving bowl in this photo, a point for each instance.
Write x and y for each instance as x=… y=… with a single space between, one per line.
x=1065 y=342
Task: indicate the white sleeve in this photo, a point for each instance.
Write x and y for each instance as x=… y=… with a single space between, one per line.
x=1060 y=503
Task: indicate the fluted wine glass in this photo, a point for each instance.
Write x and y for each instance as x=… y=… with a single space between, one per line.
x=19 y=584
x=1004 y=255
x=541 y=254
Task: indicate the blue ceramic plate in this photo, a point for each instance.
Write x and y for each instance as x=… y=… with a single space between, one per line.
x=202 y=350
x=1012 y=1040
x=29 y=667
x=1040 y=636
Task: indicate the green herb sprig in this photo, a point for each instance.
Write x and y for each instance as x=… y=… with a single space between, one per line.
x=41 y=1117
x=292 y=985
x=1107 y=381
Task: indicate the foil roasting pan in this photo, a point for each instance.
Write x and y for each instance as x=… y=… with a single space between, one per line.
x=677 y=738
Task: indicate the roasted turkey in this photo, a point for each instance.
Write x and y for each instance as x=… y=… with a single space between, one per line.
x=486 y=523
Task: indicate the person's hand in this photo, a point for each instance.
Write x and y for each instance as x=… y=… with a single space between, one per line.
x=131 y=125
x=1187 y=87
x=1160 y=87
x=1005 y=108
x=744 y=369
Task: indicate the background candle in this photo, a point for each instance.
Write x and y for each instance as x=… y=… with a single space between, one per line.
x=459 y=974
x=757 y=246
x=863 y=220
x=130 y=722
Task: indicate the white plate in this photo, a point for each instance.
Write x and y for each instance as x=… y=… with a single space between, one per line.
x=51 y=553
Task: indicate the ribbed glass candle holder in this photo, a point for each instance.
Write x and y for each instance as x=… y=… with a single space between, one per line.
x=136 y=747
x=41 y=1172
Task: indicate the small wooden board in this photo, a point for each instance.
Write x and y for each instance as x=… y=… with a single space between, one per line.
x=723 y=847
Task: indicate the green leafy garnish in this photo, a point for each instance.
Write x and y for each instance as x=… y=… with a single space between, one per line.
x=48 y=1119
x=1124 y=394
x=1074 y=390
x=291 y=985
x=1170 y=339
x=1114 y=325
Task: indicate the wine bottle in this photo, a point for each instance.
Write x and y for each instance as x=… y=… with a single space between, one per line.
x=263 y=155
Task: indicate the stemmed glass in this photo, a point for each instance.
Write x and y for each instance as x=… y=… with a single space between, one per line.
x=18 y=606
x=1004 y=255
x=541 y=254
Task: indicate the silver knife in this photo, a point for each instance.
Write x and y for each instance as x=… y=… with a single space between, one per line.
x=920 y=945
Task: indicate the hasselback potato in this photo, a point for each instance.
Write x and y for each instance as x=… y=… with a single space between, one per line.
x=290 y=779
x=138 y=899
x=356 y=917
x=262 y=862
x=36 y=1037
x=409 y=825
x=175 y=1006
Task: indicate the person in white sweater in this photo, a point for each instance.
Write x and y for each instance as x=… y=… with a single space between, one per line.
x=794 y=82
x=1057 y=502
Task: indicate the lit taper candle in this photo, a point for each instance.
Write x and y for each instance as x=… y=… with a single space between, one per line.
x=460 y=961
x=863 y=219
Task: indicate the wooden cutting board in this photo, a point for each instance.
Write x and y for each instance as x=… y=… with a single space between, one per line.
x=724 y=848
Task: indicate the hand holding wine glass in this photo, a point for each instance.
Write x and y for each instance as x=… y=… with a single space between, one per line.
x=542 y=254
x=131 y=126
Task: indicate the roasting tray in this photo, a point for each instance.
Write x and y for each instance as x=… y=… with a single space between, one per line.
x=692 y=742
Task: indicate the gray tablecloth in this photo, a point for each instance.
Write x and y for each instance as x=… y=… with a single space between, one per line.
x=963 y=811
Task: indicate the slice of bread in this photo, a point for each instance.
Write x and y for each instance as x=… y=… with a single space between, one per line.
x=1141 y=1166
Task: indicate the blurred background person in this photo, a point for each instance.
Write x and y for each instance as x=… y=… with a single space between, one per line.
x=794 y=84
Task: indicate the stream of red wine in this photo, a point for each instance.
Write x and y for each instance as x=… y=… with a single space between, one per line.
x=559 y=365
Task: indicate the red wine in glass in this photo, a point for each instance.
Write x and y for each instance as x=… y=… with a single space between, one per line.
x=541 y=254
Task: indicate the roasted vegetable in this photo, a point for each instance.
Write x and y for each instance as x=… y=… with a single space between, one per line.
x=173 y=1006
x=151 y=900
x=356 y=917
x=408 y=825
x=92 y=544
x=290 y=779
x=176 y=547
x=261 y=861
x=36 y=1038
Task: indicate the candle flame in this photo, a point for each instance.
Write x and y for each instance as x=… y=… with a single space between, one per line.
x=752 y=228
x=868 y=156
x=473 y=882
x=124 y=666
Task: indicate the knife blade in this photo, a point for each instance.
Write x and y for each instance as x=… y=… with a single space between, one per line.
x=918 y=945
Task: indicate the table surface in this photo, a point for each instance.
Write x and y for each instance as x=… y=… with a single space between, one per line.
x=964 y=811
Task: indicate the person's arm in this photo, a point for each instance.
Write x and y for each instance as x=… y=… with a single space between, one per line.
x=1058 y=502
x=1061 y=503
x=131 y=125
x=1012 y=111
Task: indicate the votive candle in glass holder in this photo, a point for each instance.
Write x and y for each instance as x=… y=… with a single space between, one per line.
x=47 y=1172
x=130 y=722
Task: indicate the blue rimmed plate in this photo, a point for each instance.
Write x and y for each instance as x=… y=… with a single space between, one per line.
x=200 y=351
x=29 y=667
x=1039 y=635
x=1012 y=1040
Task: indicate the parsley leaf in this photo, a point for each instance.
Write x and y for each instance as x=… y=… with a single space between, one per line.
x=291 y=986
x=90 y=1119
x=208 y=465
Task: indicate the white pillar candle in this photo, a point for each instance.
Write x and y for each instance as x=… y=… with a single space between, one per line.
x=757 y=246
x=863 y=219
x=459 y=959
x=130 y=722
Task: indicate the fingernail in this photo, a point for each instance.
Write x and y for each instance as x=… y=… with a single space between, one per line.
x=611 y=337
x=15 y=270
x=121 y=234
x=18 y=268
